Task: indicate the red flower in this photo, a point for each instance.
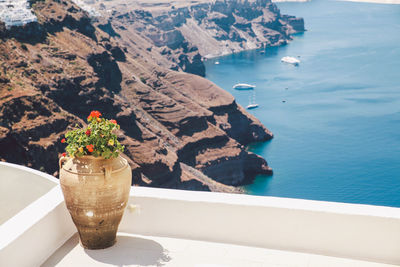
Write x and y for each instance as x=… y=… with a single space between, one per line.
x=63 y=140
x=88 y=132
x=94 y=114
x=64 y=154
x=90 y=148
x=113 y=121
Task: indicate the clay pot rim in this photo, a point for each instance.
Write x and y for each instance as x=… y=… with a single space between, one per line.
x=91 y=157
x=94 y=173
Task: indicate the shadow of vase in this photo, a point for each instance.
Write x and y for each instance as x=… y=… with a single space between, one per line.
x=131 y=251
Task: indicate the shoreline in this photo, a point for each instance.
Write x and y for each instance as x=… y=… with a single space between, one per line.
x=214 y=56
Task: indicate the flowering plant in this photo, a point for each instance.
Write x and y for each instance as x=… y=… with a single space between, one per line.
x=97 y=139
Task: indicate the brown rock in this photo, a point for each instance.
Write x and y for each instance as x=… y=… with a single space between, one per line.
x=180 y=130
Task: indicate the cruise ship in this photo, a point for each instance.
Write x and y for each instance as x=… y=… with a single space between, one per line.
x=291 y=60
x=243 y=86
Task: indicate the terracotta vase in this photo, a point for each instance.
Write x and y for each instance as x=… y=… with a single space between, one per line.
x=96 y=191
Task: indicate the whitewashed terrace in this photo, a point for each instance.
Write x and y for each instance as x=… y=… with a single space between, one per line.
x=163 y=227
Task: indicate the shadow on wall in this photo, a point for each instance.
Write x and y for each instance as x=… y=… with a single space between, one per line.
x=127 y=250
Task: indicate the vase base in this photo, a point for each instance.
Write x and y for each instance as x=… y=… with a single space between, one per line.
x=97 y=245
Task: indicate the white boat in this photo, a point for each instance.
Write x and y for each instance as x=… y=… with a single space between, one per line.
x=251 y=106
x=216 y=62
x=290 y=60
x=243 y=86
x=252 y=102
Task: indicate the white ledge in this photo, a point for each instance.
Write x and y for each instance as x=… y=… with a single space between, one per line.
x=265 y=201
x=351 y=231
x=362 y=232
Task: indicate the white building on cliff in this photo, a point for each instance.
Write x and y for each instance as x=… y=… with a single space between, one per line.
x=16 y=13
x=19 y=13
x=85 y=5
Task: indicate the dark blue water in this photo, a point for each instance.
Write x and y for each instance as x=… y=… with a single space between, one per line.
x=337 y=136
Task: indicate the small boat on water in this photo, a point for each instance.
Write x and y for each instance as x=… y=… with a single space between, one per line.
x=216 y=63
x=252 y=102
x=251 y=106
x=243 y=86
x=291 y=60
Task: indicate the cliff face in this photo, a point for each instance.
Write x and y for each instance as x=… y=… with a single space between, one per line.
x=186 y=34
x=180 y=130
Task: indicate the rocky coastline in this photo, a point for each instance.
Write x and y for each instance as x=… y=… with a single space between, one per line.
x=188 y=34
x=180 y=130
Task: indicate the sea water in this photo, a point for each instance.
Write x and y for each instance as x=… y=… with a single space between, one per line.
x=336 y=116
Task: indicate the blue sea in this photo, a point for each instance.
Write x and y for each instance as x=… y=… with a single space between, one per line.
x=335 y=117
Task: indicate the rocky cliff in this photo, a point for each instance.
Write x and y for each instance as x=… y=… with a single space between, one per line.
x=180 y=130
x=186 y=33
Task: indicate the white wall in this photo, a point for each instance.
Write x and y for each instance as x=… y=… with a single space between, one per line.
x=335 y=229
x=20 y=186
x=35 y=219
x=33 y=235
